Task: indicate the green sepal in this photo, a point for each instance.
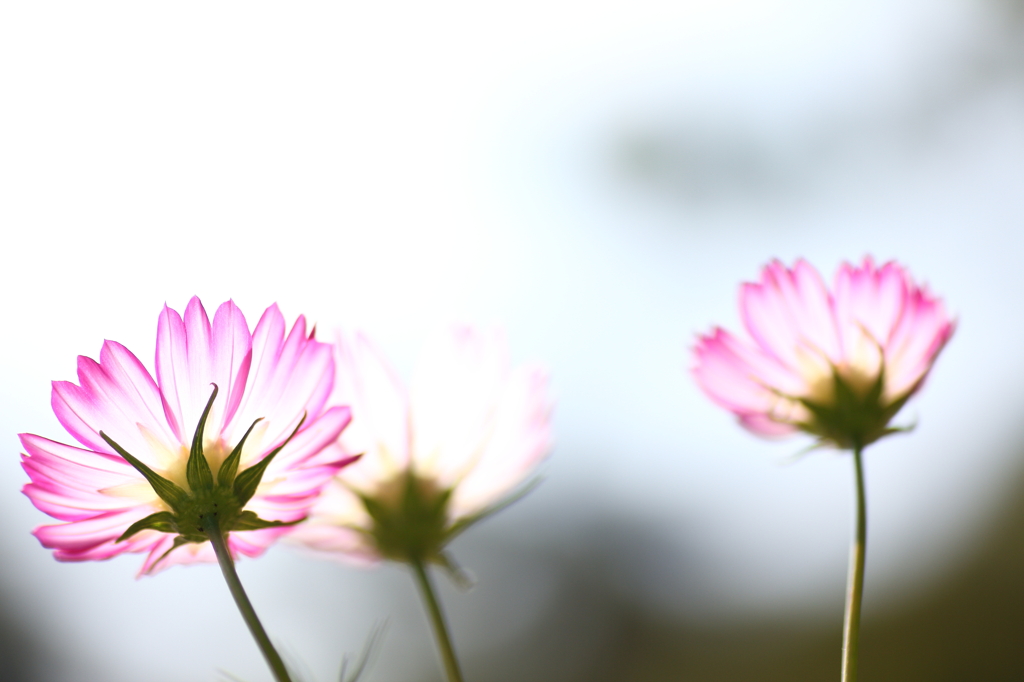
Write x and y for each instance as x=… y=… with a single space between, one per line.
x=900 y=429
x=853 y=418
x=458 y=575
x=197 y=470
x=168 y=491
x=164 y=521
x=412 y=524
x=229 y=468
x=206 y=507
x=248 y=520
x=247 y=481
x=380 y=513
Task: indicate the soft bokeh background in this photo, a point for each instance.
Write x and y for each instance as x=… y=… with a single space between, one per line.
x=598 y=177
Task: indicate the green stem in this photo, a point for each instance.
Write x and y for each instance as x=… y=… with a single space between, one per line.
x=444 y=642
x=227 y=567
x=855 y=588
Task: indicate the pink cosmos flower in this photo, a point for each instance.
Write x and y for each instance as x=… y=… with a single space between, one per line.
x=436 y=457
x=275 y=384
x=838 y=364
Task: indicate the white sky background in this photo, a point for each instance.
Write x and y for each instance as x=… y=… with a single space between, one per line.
x=395 y=166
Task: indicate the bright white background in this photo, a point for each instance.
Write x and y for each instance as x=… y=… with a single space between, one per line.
x=599 y=178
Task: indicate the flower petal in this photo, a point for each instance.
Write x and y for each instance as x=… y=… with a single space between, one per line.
x=333 y=527
x=741 y=377
x=192 y=356
x=231 y=356
x=306 y=462
x=191 y=553
x=454 y=398
x=521 y=437
x=289 y=377
x=380 y=409
x=789 y=313
x=336 y=542
x=869 y=300
x=920 y=335
x=68 y=489
x=117 y=396
x=93 y=539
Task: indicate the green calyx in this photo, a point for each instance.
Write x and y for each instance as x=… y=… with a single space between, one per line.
x=212 y=503
x=856 y=416
x=411 y=521
x=410 y=518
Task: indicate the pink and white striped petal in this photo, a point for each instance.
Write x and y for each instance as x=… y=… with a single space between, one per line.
x=789 y=314
x=456 y=389
x=380 y=429
x=520 y=439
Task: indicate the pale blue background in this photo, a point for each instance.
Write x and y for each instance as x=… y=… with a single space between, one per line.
x=597 y=176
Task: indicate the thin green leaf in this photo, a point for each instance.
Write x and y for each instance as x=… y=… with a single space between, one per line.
x=164 y=521
x=899 y=429
x=462 y=578
x=178 y=542
x=465 y=523
x=230 y=466
x=369 y=652
x=197 y=471
x=168 y=491
x=229 y=676
x=803 y=452
x=249 y=480
x=248 y=520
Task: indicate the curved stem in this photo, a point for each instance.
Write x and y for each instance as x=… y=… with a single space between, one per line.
x=444 y=642
x=227 y=567
x=855 y=586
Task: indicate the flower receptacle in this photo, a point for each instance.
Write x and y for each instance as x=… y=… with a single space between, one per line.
x=857 y=415
x=211 y=504
x=409 y=518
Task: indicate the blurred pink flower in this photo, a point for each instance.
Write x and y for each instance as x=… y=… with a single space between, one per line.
x=836 y=364
x=267 y=376
x=435 y=458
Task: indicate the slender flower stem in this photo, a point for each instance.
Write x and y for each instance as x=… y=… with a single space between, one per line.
x=227 y=567
x=855 y=587
x=444 y=642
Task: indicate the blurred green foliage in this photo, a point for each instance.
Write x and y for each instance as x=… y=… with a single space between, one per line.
x=968 y=627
